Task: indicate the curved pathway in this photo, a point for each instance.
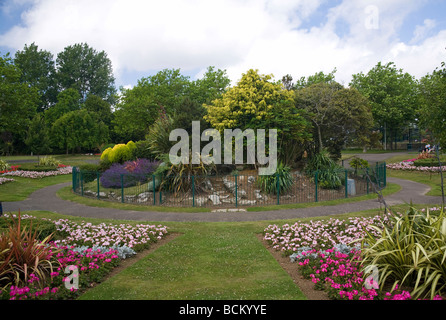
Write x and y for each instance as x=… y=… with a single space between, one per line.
x=46 y=199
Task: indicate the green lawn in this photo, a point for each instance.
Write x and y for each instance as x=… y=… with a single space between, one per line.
x=433 y=180
x=67 y=159
x=21 y=188
x=206 y=261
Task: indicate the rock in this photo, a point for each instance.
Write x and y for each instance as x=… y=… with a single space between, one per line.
x=258 y=195
x=251 y=179
x=198 y=201
x=241 y=194
x=208 y=185
x=247 y=202
x=215 y=199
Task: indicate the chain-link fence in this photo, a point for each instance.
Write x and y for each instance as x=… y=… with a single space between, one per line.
x=235 y=190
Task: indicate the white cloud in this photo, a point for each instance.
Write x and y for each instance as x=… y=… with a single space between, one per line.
x=422 y=31
x=147 y=36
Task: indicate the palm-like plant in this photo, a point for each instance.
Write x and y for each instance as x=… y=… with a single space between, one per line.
x=411 y=252
x=22 y=254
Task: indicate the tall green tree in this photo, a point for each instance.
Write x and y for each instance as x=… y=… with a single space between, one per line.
x=100 y=108
x=78 y=130
x=433 y=104
x=67 y=100
x=88 y=71
x=393 y=97
x=318 y=77
x=38 y=70
x=38 y=139
x=18 y=104
x=337 y=114
x=258 y=102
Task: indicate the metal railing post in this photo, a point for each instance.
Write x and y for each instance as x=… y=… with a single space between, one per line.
x=236 y=192
x=97 y=179
x=122 y=188
x=346 y=184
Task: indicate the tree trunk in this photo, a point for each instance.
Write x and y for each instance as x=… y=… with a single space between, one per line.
x=319 y=138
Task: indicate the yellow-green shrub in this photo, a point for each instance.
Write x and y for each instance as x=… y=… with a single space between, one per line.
x=119 y=153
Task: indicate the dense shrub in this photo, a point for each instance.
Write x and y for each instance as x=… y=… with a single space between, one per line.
x=132 y=172
x=43 y=228
x=282 y=177
x=178 y=177
x=329 y=172
x=23 y=255
x=36 y=167
x=429 y=162
x=48 y=161
x=89 y=171
x=410 y=252
x=142 y=150
x=119 y=153
x=358 y=163
x=3 y=165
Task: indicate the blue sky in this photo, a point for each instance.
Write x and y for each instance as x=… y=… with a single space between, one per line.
x=297 y=37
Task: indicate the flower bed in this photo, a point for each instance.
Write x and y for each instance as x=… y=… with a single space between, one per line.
x=409 y=165
x=37 y=174
x=5 y=180
x=92 y=250
x=325 y=254
x=13 y=168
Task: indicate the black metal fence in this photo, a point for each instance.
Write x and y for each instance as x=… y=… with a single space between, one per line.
x=237 y=190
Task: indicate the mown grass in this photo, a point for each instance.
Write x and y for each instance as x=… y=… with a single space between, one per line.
x=21 y=188
x=207 y=261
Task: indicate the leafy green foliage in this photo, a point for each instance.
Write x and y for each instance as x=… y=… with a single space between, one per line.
x=358 y=163
x=3 y=165
x=183 y=177
x=78 y=129
x=433 y=102
x=338 y=115
x=257 y=102
x=38 y=139
x=38 y=70
x=142 y=150
x=18 y=104
x=392 y=94
x=328 y=172
x=48 y=161
x=22 y=254
x=120 y=153
x=87 y=71
x=411 y=251
x=158 y=136
x=281 y=181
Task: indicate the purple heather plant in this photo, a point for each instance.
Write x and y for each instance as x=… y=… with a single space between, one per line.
x=132 y=172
